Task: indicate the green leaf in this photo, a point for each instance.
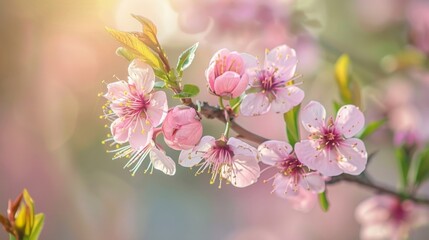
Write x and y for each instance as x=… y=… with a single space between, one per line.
x=188 y=91
x=235 y=104
x=421 y=170
x=371 y=128
x=343 y=77
x=337 y=106
x=149 y=28
x=404 y=161
x=127 y=54
x=133 y=43
x=11 y=237
x=186 y=58
x=39 y=220
x=159 y=85
x=323 y=201
x=292 y=125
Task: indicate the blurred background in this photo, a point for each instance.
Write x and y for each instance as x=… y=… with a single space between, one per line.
x=55 y=55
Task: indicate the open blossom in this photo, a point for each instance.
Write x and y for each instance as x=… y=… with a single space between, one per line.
x=157 y=158
x=330 y=148
x=230 y=159
x=386 y=217
x=271 y=85
x=134 y=108
x=293 y=181
x=226 y=74
x=182 y=128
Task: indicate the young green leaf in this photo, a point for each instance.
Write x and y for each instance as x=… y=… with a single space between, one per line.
x=127 y=54
x=37 y=227
x=159 y=85
x=188 y=91
x=149 y=28
x=421 y=170
x=343 y=77
x=323 y=201
x=404 y=161
x=235 y=104
x=371 y=128
x=292 y=125
x=133 y=43
x=186 y=58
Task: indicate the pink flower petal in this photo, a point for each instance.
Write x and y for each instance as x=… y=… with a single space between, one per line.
x=241 y=148
x=162 y=162
x=255 y=104
x=141 y=75
x=189 y=158
x=246 y=171
x=304 y=201
x=313 y=182
x=284 y=186
x=286 y=99
x=226 y=83
x=322 y=160
x=157 y=111
x=140 y=135
x=284 y=59
x=313 y=117
x=241 y=86
x=120 y=131
x=349 y=121
x=352 y=156
x=116 y=90
x=271 y=152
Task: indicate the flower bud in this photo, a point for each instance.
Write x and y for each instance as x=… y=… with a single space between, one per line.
x=226 y=74
x=21 y=221
x=182 y=128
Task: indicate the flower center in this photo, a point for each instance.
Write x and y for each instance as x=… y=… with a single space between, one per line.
x=217 y=157
x=267 y=80
x=331 y=138
x=290 y=166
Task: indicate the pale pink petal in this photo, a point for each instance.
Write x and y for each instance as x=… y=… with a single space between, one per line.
x=225 y=84
x=304 y=201
x=349 y=121
x=189 y=158
x=251 y=64
x=286 y=99
x=380 y=230
x=158 y=108
x=141 y=75
x=187 y=137
x=284 y=59
x=284 y=186
x=313 y=117
x=374 y=210
x=140 y=135
x=255 y=104
x=241 y=86
x=210 y=76
x=119 y=131
x=245 y=171
x=116 y=90
x=241 y=148
x=352 y=156
x=313 y=182
x=234 y=63
x=310 y=154
x=162 y=162
x=271 y=152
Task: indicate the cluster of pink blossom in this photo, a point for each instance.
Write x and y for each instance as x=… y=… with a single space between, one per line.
x=136 y=111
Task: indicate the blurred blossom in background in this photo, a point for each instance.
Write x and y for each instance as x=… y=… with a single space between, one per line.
x=55 y=55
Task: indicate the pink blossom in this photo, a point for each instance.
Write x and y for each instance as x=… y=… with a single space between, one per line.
x=271 y=85
x=386 y=217
x=293 y=181
x=182 y=128
x=330 y=148
x=134 y=108
x=418 y=18
x=226 y=74
x=158 y=159
x=230 y=159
